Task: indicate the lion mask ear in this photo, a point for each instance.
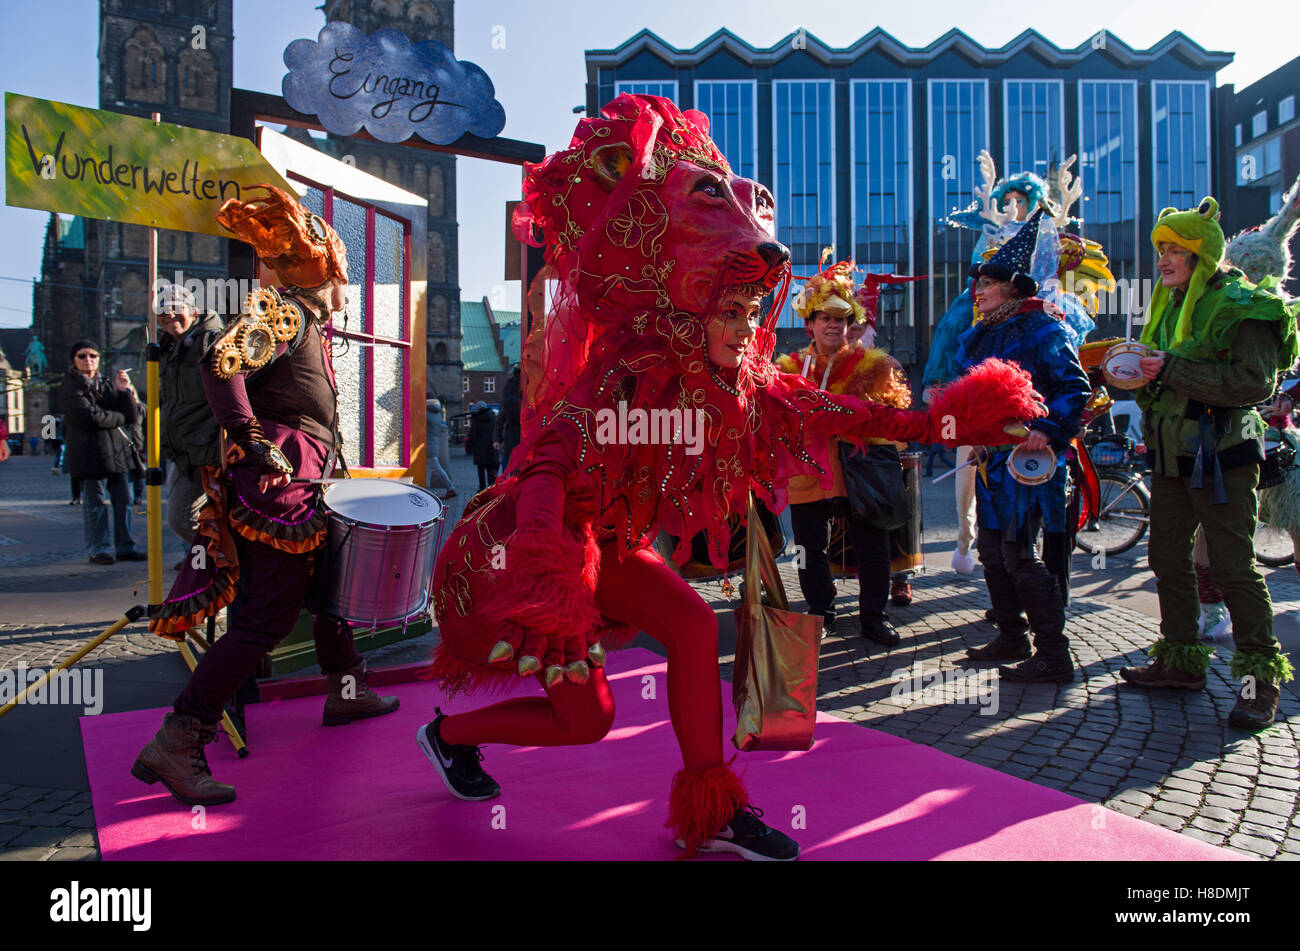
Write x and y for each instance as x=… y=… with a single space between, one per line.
x=611 y=162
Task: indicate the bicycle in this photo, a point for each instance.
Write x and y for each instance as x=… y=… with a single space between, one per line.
x=1114 y=515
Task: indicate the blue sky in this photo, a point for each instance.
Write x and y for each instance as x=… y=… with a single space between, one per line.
x=48 y=49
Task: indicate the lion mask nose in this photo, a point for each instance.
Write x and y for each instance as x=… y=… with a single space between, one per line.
x=774 y=254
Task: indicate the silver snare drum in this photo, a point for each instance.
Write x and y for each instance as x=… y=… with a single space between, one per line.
x=383 y=539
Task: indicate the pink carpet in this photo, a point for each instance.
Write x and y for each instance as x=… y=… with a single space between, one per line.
x=364 y=791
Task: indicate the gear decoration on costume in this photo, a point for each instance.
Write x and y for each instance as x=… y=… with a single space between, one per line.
x=250 y=341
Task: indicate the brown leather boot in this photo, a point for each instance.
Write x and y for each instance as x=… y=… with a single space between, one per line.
x=175 y=757
x=1256 y=705
x=350 y=699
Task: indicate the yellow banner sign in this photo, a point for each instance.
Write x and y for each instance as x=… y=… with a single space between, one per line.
x=106 y=165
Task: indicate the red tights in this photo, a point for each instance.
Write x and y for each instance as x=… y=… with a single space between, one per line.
x=645 y=593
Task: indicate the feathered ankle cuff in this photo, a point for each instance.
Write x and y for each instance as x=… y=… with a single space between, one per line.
x=701 y=802
x=1189 y=658
x=1271 y=667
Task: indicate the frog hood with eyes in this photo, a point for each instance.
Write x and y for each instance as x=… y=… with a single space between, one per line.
x=1198 y=231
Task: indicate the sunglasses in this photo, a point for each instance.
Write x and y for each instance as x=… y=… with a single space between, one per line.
x=87 y=356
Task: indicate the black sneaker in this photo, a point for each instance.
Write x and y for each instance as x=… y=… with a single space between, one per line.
x=457 y=765
x=133 y=556
x=102 y=559
x=829 y=626
x=751 y=839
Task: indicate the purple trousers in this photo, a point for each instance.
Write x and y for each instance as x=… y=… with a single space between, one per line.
x=272 y=586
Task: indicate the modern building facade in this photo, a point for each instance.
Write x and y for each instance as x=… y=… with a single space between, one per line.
x=868 y=147
x=1266 y=133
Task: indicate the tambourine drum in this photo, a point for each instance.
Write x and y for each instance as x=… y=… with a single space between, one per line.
x=1279 y=459
x=1031 y=466
x=383 y=539
x=1120 y=365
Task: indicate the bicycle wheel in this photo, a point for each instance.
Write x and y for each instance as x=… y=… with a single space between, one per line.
x=1124 y=512
x=1273 y=547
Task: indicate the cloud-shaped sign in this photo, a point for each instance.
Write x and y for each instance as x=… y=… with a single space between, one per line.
x=389 y=86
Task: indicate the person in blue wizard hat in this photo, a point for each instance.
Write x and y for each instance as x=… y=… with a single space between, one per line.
x=1015 y=326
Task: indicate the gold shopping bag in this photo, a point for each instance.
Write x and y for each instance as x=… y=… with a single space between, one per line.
x=774 y=684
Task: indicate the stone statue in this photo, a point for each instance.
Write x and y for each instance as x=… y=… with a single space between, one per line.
x=35 y=356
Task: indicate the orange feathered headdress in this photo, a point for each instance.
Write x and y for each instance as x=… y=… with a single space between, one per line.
x=296 y=244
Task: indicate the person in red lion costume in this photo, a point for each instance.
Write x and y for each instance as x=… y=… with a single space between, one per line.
x=662 y=257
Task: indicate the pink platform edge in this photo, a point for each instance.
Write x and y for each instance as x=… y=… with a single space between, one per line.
x=364 y=791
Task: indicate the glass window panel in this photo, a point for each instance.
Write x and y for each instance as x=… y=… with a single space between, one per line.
x=1180 y=124
x=350 y=377
x=666 y=89
x=390 y=404
x=390 y=245
x=1259 y=123
x=350 y=223
x=314 y=200
x=958 y=131
x=1108 y=170
x=805 y=212
x=1272 y=156
x=882 y=179
x=1285 y=111
x=1033 y=126
x=730 y=108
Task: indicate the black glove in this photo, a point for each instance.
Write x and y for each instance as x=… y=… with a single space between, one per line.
x=259 y=452
x=267 y=455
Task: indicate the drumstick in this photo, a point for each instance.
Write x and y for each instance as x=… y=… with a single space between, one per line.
x=954 y=470
x=1128 y=317
x=1011 y=429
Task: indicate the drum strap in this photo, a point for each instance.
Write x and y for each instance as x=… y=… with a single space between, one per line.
x=807 y=362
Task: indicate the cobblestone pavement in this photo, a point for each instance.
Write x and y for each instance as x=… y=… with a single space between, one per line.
x=1167 y=757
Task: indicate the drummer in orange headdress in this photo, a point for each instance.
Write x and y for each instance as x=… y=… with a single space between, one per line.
x=270 y=382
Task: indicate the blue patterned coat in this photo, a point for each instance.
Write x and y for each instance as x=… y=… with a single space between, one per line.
x=1042 y=345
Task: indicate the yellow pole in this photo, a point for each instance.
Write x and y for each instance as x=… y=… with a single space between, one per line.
x=238 y=741
x=153 y=479
x=134 y=614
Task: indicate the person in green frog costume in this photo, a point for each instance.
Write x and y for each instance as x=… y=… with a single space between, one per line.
x=1218 y=344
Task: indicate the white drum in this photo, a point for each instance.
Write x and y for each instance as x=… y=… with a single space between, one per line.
x=383 y=539
x=1031 y=466
x=1121 y=365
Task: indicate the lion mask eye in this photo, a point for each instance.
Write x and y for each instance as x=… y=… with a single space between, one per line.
x=708 y=185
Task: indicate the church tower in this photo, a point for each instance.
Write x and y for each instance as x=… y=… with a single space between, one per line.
x=176 y=58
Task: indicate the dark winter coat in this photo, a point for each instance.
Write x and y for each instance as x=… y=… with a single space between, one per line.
x=508 y=431
x=190 y=433
x=482 y=429
x=98 y=418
